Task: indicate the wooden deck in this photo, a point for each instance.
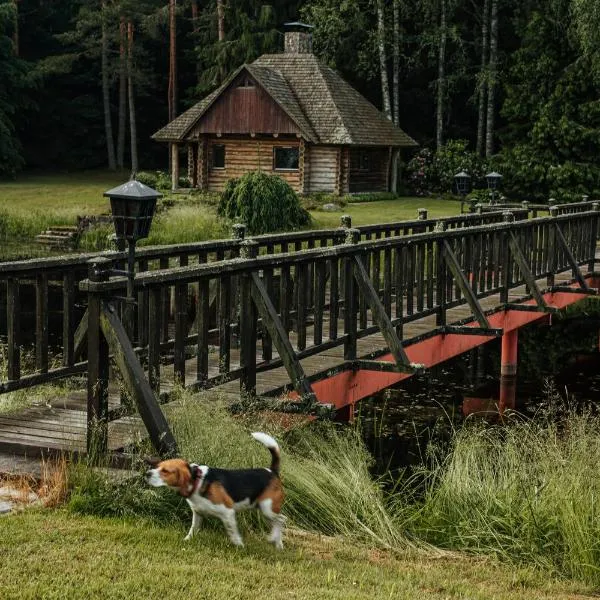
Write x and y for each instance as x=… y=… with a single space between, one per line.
x=61 y=423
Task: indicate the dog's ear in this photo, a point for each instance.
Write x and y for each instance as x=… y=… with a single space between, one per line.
x=151 y=461
x=184 y=477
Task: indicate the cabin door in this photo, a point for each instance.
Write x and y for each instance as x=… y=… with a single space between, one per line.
x=323 y=168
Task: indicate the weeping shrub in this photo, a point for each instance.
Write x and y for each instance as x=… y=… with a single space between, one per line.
x=265 y=203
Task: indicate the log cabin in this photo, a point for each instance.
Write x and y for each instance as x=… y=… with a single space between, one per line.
x=291 y=115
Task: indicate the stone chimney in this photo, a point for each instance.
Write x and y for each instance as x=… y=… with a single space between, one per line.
x=298 y=38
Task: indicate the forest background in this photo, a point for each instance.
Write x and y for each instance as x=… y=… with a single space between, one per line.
x=507 y=84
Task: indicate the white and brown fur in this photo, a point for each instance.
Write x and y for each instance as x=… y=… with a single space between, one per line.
x=223 y=492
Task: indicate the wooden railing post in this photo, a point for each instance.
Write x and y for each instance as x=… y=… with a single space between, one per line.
x=440 y=278
x=98 y=365
x=552 y=248
x=238 y=231
x=352 y=237
x=13 y=317
x=248 y=322
x=506 y=264
x=594 y=236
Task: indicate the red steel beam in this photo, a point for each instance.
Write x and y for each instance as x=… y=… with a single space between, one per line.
x=349 y=387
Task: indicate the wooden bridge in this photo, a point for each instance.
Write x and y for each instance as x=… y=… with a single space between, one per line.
x=314 y=320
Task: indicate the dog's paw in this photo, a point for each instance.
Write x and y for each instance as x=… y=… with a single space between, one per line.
x=187 y=538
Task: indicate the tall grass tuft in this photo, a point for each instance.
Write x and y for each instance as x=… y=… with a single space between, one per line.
x=526 y=493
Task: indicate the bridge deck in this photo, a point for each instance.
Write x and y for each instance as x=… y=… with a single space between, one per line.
x=61 y=424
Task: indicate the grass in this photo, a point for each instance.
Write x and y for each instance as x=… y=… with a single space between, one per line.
x=386 y=211
x=36 y=202
x=58 y=555
x=527 y=493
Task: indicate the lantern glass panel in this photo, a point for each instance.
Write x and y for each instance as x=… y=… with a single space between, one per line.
x=493 y=180
x=463 y=183
x=132 y=216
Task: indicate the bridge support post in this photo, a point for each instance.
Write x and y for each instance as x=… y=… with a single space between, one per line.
x=98 y=365
x=508 y=371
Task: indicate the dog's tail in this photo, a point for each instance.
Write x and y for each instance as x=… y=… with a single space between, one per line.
x=273 y=447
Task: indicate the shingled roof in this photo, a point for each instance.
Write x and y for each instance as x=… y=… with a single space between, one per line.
x=326 y=109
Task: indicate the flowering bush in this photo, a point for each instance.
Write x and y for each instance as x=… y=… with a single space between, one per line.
x=433 y=172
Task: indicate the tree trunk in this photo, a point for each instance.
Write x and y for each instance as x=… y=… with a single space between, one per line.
x=172 y=100
x=396 y=64
x=122 y=94
x=492 y=80
x=195 y=16
x=385 y=88
x=195 y=30
x=132 y=121
x=483 y=77
x=441 y=81
x=16 y=30
x=221 y=19
x=108 y=128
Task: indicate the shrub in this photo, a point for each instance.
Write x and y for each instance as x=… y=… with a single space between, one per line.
x=147 y=178
x=263 y=202
x=536 y=176
x=433 y=172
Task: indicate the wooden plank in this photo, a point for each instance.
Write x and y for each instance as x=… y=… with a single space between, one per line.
x=269 y=315
x=41 y=323
x=465 y=288
x=574 y=266
x=525 y=271
x=154 y=334
x=68 y=293
x=379 y=315
x=13 y=317
x=181 y=318
x=203 y=326
x=248 y=321
x=133 y=374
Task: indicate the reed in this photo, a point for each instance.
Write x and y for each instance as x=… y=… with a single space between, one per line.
x=527 y=493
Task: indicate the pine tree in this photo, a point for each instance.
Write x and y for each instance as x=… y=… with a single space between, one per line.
x=12 y=75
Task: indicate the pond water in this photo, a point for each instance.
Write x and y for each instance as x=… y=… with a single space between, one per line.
x=401 y=422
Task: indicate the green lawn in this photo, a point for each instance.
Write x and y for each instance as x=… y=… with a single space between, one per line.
x=35 y=202
x=54 y=554
x=387 y=211
x=67 y=195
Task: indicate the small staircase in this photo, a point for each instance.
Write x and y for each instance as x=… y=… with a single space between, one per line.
x=59 y=237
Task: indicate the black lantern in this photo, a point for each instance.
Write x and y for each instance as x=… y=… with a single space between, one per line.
x=463 y=183
x=493 y=182
x=132 y=205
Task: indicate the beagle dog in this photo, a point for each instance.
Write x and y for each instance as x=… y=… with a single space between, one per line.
x=222 y=492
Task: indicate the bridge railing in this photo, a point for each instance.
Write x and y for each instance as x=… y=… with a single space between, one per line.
x=302 y=303
x=46 y=316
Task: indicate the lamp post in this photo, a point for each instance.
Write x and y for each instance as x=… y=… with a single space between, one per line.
x=462 y=181
x=493 y=182
x=132 y=205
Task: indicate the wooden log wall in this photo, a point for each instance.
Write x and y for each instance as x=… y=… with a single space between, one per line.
x=311 y=290
x=249 y=154
x=322 y=169
x=368 y=169
x=56 y=327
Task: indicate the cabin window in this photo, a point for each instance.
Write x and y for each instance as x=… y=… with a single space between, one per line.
x=285 y=159
x=218 y=156
x=360 y=161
